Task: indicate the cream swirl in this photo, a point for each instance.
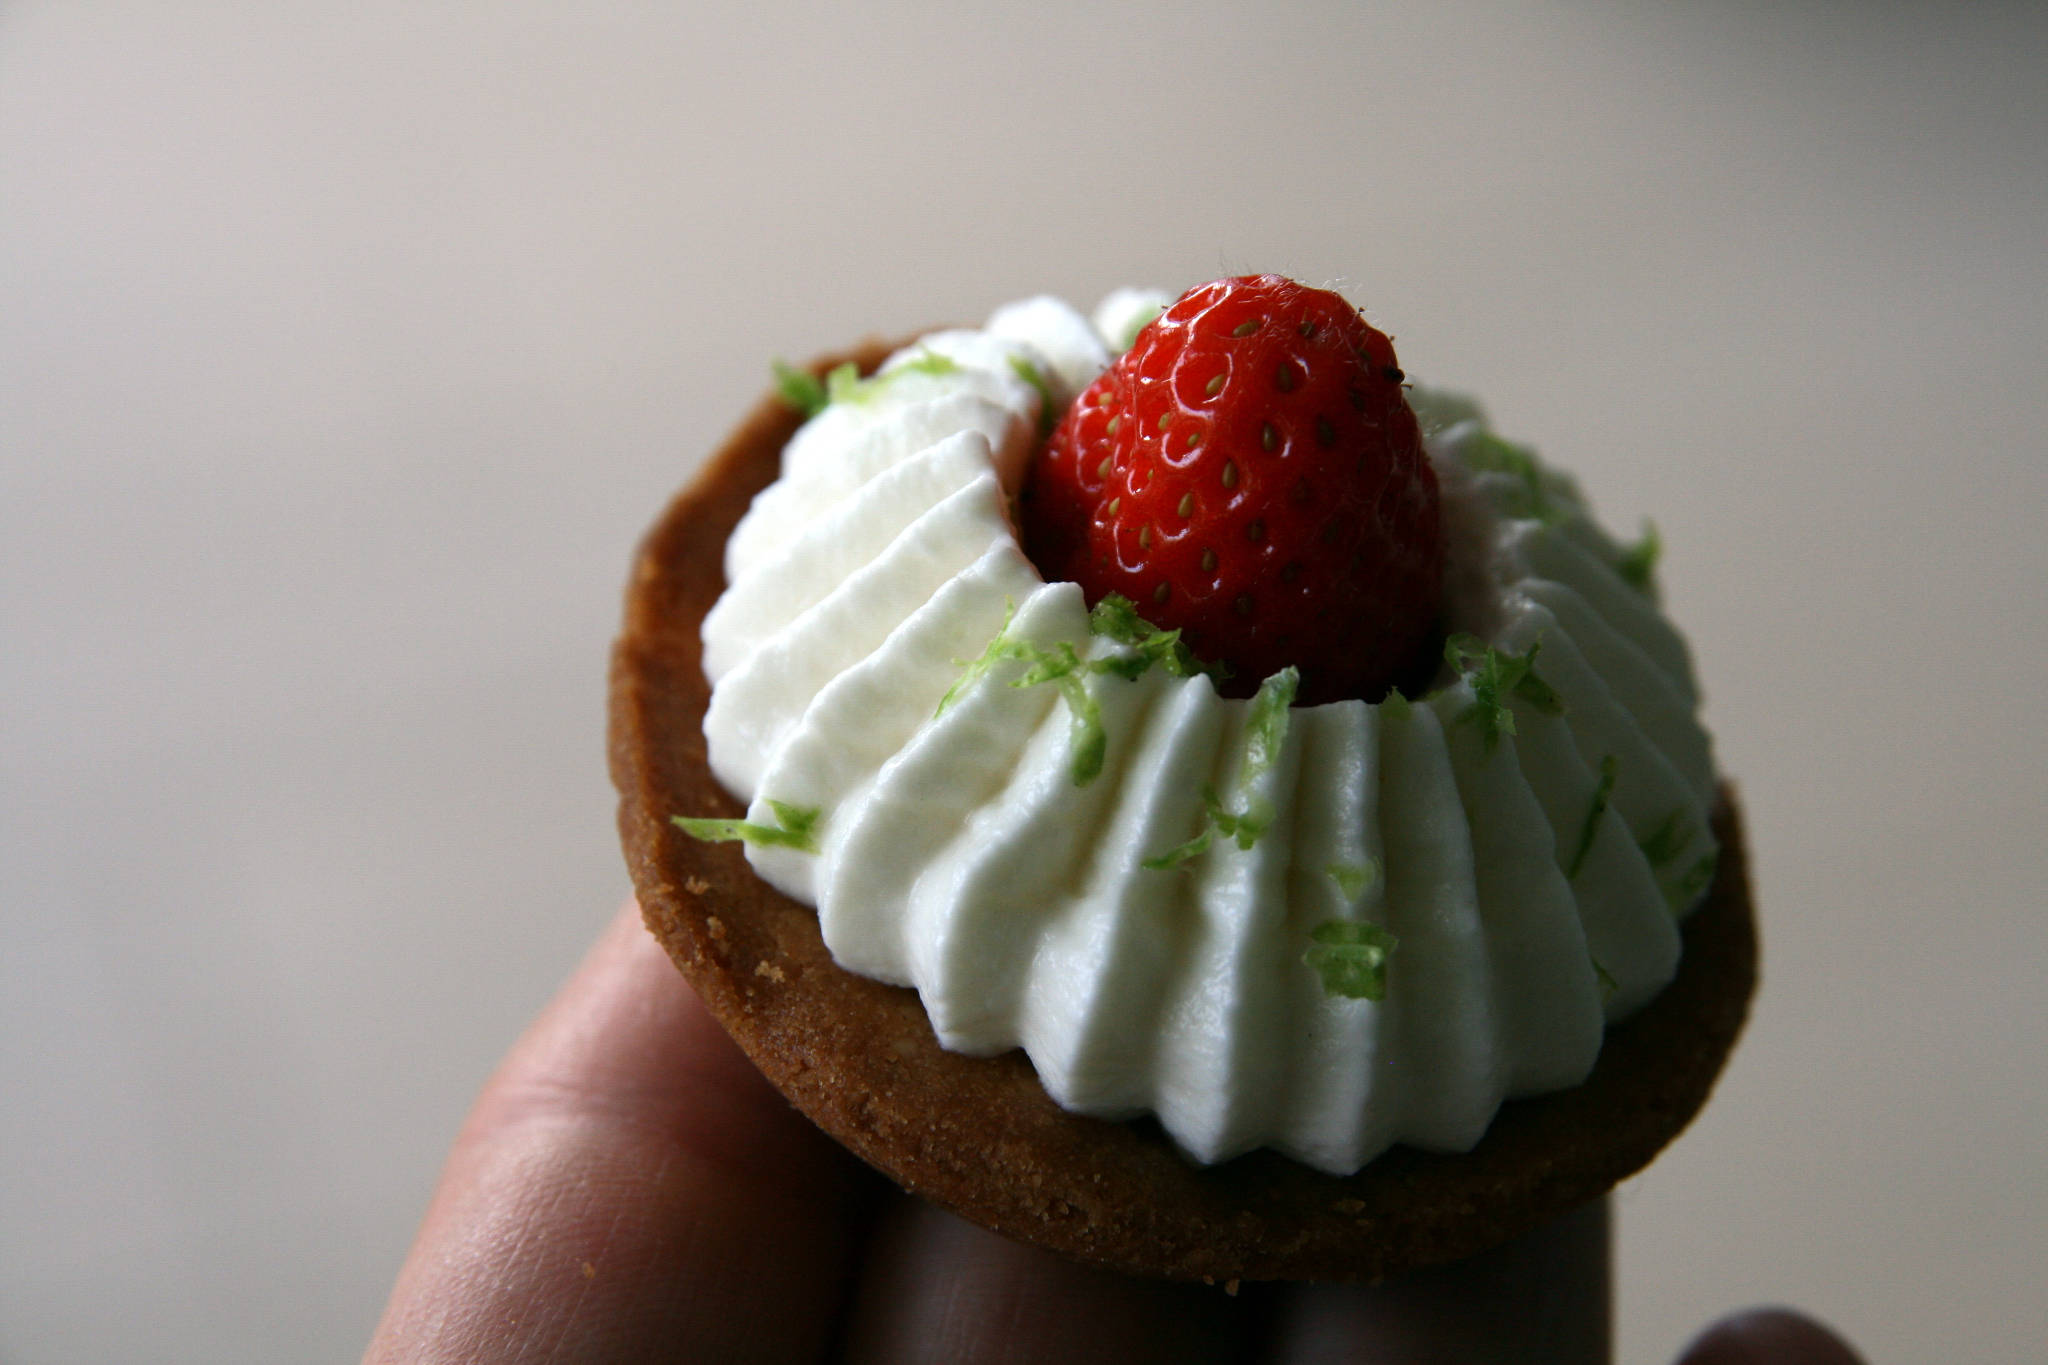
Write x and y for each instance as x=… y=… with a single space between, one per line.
x=1526 y=851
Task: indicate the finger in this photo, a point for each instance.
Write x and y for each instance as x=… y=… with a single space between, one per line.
x=627 y=1188
x=937 y=1289
x=1542 y=1297
x=1768 y=1336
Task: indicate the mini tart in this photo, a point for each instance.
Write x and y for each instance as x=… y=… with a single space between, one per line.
x=979 y=1135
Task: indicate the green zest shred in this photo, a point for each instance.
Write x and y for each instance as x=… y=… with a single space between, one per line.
x=1353 y=878
x=1602 y=792
x=795 y=827
x=1244 y=826
x=1351 y=958
x=1668 y=842
x=1062 y=665
x=1608 y=985
x=1265 y=725
x=1087 y=738
x=999 y=649
x=1698 y=877
x=1265 y=731
x=844 y=384
x=1638 y=563
x=800 y=389
x=1029 y=373
x=1116 y=618
x=809 y=395
x=1194 y=848
x=1496 y=677
x=1489 y=453
x=924 y=362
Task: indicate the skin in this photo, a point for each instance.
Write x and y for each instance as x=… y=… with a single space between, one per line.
x=628 y=1188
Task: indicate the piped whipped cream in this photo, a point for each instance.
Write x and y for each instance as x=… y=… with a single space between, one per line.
x=1515 y=854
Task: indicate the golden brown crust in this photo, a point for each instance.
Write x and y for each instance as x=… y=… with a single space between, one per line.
x=979 y=1135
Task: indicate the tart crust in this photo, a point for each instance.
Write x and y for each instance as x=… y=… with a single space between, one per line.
x=979 y=1135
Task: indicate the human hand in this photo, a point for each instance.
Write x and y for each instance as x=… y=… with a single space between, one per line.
x=628 y=1188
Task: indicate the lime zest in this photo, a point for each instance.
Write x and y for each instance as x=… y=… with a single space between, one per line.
x=1244 y=827
x=1265 y=724
x=1608 y=985
x=1030 y=374
x=1668 y=842
x=795 y=827
x=799 y=389
x=1351 y=958
x=1696 y=879
x=1062 y=665
x=1603 y=791
x=1637 y=565
x=1353 y=878
x=1489 y=453
x=996 y=652
x=1182 y=853
x=926 y=361
x=1248 y=824
x=844 y=384
x=1497 y=676
x=1087 y=737
x=1116 y=618
x=1265 y=732
x=1194 y=848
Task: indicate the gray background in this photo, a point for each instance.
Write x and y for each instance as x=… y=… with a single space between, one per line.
x=345 y=351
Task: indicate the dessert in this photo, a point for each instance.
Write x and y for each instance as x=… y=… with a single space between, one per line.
x=1324 y=990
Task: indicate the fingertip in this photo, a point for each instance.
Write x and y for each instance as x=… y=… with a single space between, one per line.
x=1768 y=1336
x=1543 y=1296
x=935 y=1289
x=628 y=1187
x=628 y=1043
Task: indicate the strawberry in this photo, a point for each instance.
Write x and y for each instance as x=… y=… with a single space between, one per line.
x=1249 y=474
x=1067 y=478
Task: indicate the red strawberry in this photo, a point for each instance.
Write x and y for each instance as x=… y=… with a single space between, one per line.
x=1067 y=479
x=1249 y=473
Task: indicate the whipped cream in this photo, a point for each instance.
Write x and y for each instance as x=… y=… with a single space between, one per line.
x=1531 y=873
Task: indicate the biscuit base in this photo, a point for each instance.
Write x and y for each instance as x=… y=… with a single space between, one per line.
x=979 y=1135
